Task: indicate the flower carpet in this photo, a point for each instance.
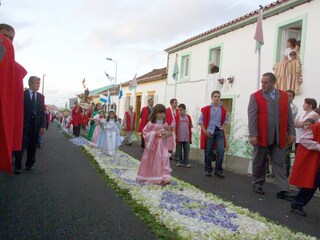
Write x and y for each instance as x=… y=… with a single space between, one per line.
x=183 y=208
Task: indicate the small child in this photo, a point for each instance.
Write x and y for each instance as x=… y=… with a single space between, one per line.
x=183 y=136
x=112 y=137
x=155 y=163
x=293 y=55
x=99 y=121
x=308 y=123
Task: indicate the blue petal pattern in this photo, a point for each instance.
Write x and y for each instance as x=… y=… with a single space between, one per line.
x=201 y=210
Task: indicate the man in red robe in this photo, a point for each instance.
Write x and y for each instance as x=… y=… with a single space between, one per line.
x=129 y=121
x=19 y=73
x=144 y=114
x=77 y=119
x=171 y=113
x=271 y=127
x=7 y=69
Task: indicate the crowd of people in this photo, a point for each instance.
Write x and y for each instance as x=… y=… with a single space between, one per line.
x=275 y=130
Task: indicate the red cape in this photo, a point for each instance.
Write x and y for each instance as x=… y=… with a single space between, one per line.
x=206 y=118
x=144 y=118
x=20 y=73
x=169 y=117
x=128 y=119
x=306 y=163
x=77 y=118
x=263 y=117
x=7 y=90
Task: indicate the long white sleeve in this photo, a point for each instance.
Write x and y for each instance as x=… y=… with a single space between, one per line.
x=308 y=142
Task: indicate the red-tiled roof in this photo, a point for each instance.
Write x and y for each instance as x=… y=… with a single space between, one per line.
x=154 y=75
x=268 y=11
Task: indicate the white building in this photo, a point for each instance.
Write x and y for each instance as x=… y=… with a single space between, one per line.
x=149 y=85
x=231 y=47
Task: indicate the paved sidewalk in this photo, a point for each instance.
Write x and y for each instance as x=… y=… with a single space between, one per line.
x=64 y=198
x=237 y=189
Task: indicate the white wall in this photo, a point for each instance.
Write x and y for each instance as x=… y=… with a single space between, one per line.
x=158 y=86
x=240 y=60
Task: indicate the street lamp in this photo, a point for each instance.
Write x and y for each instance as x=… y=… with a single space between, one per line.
x=43 y=75
x=115 y=77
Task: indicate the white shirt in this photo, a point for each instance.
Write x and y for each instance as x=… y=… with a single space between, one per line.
x=287 y=51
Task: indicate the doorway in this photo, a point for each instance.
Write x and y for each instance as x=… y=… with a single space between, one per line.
x=138 y=110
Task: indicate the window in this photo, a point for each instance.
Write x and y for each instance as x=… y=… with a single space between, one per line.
x=294 y=28
x=149 y=95
x=214 y=59
x=185 y=67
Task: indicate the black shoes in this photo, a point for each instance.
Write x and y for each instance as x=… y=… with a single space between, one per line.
x=219 y=174
x=284 y=195
x=298 y=210
x=17 y=171
x=258 y=190
x=208 y=174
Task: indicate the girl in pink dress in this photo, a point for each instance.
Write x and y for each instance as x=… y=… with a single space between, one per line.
x=155 y=163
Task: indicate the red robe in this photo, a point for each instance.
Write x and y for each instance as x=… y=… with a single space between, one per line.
x=7 y=90
x=306 y=164
x=20 y=73
x=144 y=118
x=76 y=117
x=177 y=118
x=169 y=117
x=206 y=118
x=87 y=116
x=263 y=118
x=128 y=120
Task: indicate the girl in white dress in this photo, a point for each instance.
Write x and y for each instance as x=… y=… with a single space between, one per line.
x=112 y=138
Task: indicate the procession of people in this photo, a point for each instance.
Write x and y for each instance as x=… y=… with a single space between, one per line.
x=166 y=133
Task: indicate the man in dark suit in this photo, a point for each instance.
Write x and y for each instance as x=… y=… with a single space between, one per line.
x=34 y=121
x=271 y=127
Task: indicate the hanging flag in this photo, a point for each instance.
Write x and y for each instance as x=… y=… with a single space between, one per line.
x=175 y=73
x=109 y=77
x=258 y=36
x=103 y=98
x=120 y=92
x=83 y=83
x=133 y=83
x=109 y=98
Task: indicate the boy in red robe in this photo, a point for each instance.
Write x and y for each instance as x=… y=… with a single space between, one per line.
x=211 y=121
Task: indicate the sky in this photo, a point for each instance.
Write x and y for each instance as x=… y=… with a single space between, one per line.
x=66 y=41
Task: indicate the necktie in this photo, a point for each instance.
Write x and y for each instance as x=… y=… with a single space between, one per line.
x=272 y=95
x=33 y=103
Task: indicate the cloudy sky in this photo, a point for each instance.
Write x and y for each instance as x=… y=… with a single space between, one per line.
x=69 y=40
